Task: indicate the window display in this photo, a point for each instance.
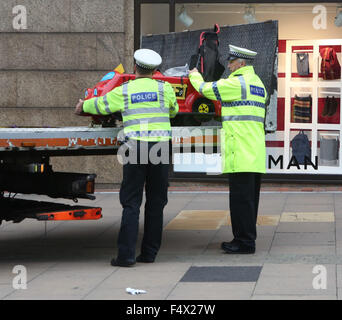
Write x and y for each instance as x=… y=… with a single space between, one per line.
x=312 y=106
x=309 y=80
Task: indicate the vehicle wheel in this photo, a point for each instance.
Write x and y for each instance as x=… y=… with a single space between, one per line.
x=203 y=109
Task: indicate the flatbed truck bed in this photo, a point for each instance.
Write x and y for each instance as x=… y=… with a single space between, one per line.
x=25 y=166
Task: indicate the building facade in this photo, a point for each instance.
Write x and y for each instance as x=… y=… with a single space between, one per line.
x=50 y=52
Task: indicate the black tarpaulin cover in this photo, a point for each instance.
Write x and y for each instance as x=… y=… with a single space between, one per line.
x=177 y=48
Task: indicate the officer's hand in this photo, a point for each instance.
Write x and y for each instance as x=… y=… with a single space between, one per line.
x=193 y=70
x=79 y=107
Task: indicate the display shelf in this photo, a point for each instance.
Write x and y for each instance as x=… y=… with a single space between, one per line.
x=324 y=120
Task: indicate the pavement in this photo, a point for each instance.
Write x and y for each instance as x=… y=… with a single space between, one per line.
x=298 y=251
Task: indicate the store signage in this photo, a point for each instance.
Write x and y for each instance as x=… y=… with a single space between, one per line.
x=292 y=163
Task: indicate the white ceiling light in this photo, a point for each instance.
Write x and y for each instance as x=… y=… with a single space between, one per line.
x=249 y=15
x=184 y=18
x=338 y=18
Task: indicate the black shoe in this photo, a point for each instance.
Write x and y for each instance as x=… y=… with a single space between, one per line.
x=144 y=259
x=236 y=247
x=122 y=263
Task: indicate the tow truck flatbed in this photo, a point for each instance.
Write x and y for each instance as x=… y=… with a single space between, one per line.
x=25 y=169
x=88 y=140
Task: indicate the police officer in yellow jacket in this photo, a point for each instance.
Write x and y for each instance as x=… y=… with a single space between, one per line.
x=243 y=97
x=146 y=106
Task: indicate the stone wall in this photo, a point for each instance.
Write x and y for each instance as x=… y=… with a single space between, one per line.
x=68 y=46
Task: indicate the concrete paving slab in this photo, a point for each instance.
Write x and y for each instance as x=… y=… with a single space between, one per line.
x=307 y=243
x=186 y=241
x=212 y=291
x=288 y=248
x=310 y=198
x=293 y=279
x=262 y=220
x=154 y=282
x=300 y=250
x=304 y=239
x=328 y=227
x=308 y=207
x=273 y=203
x=5 y=289
x=207 y=205
x=198 y=220
x=273 y=196
x=32 y=270
x=270 y=209
x=307 y=217
x=64 y=281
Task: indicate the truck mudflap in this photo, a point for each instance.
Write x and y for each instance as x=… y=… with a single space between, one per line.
x=17 y=210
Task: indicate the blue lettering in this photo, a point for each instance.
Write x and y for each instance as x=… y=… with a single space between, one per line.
x=144 y=97
x=257 y=91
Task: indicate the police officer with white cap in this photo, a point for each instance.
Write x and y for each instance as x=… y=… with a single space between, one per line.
x=243 y=97
x=146 y=106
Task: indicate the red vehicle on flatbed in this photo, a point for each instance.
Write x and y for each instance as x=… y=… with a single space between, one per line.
x=190 y=102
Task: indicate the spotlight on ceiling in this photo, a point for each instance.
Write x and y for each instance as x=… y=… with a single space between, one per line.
x=249 y=15
x=338 y=18
x=184 y=18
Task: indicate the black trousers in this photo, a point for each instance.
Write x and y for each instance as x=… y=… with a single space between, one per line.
x=244 y=193
x=155 y=179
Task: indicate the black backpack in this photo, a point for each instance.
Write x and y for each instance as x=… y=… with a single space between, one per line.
x=207 y=59
x=301 y=147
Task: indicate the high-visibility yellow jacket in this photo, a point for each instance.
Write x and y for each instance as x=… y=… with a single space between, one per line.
x=243 y=97
x=146 y=106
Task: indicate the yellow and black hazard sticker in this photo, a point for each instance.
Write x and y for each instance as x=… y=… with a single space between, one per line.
x=180 y=90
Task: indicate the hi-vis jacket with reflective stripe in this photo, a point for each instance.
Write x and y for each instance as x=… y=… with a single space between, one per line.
x=243 y=98
x=146 y=106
